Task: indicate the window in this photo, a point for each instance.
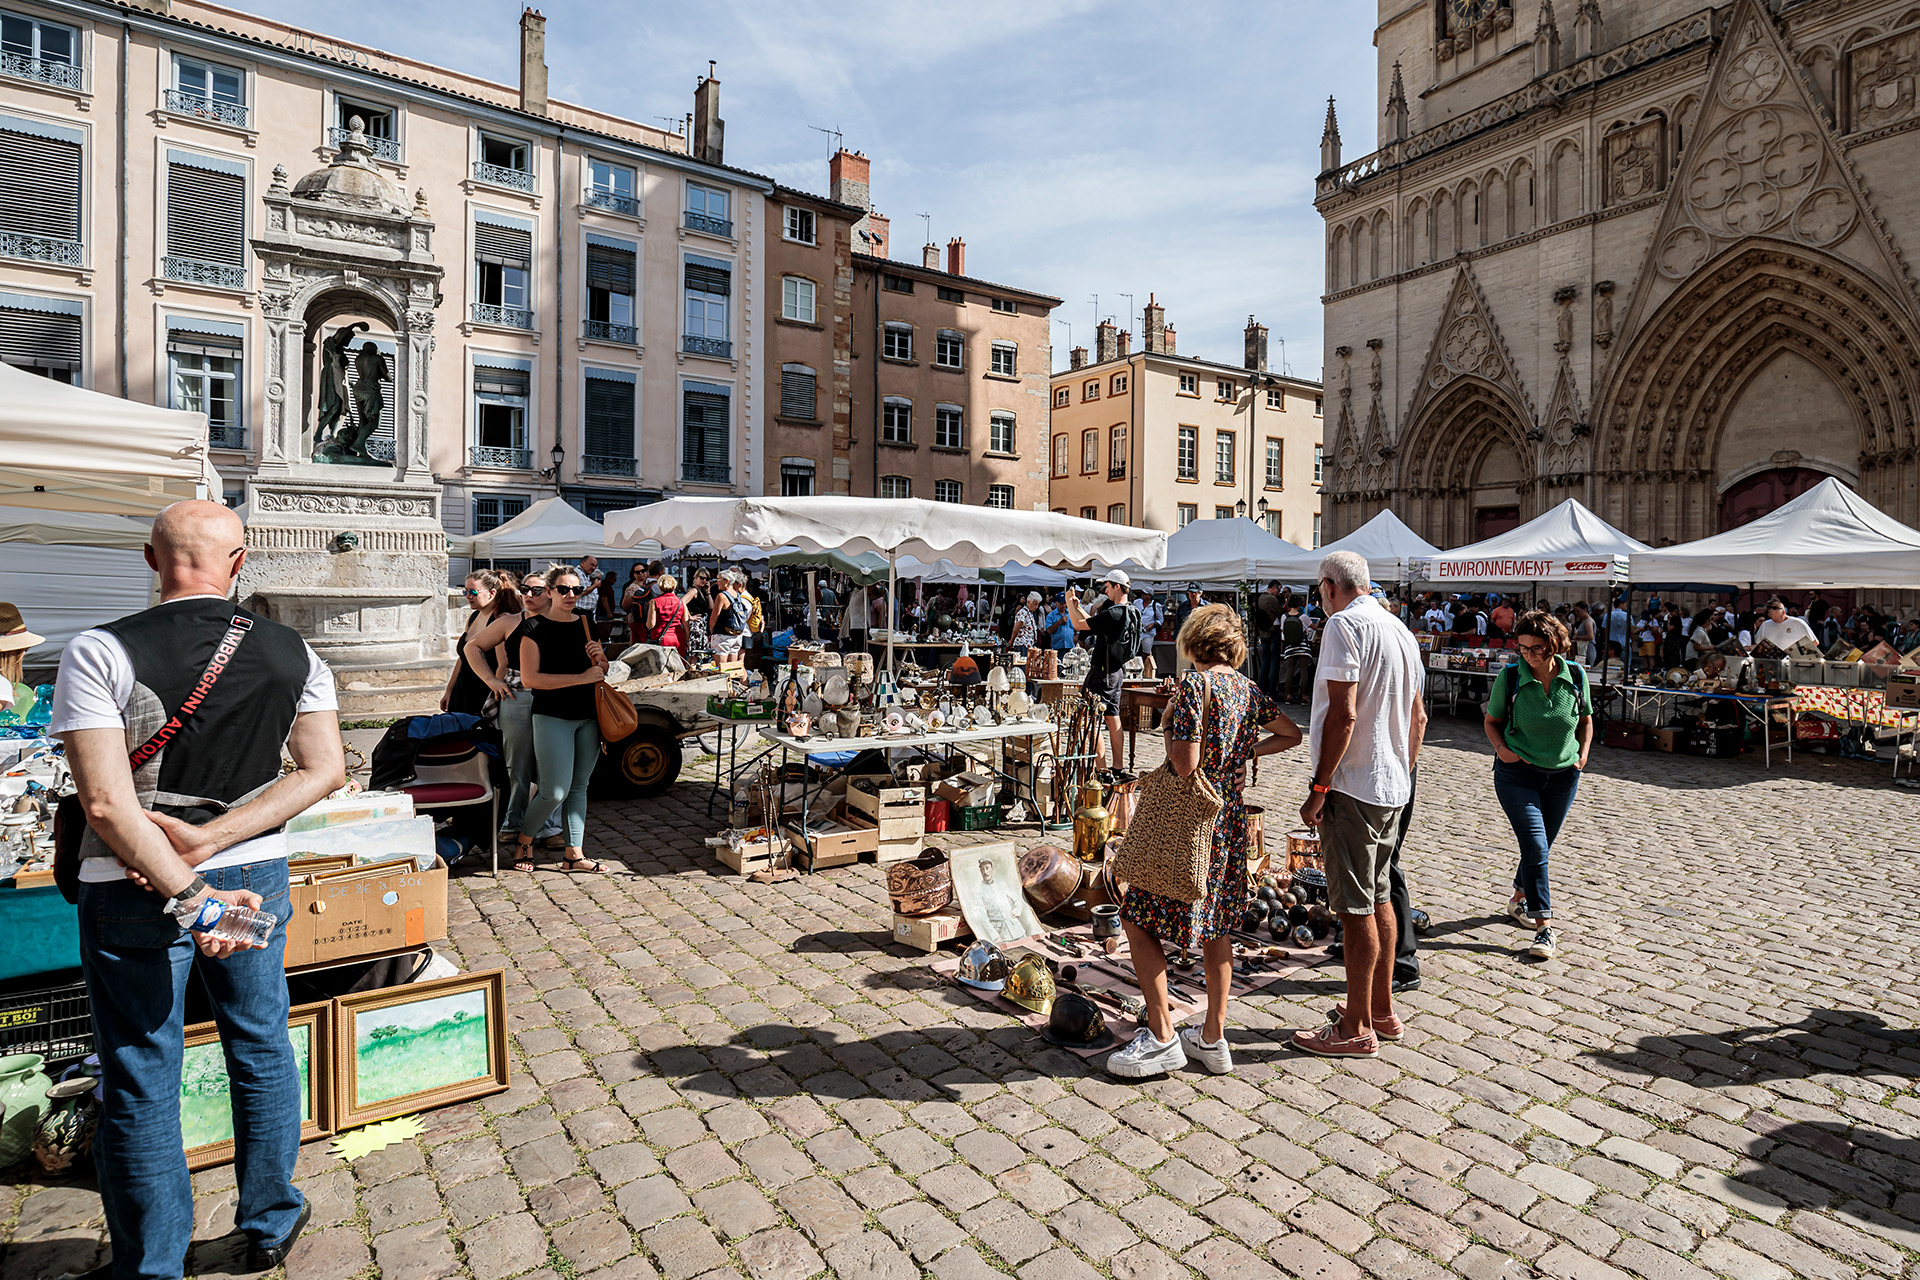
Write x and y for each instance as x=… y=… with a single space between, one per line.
x=611 y=269
x=947 y=349
x=799 y=224
x=1319 y=406
x=796 y=299
x=1089 y=513
x=1000 y=432
x=1060 y=454
x=1119 y=385
x=895 y=284
x=1276 y=398
x=1223 y=457
x=1117 y=513
x=949 y=431
x=1090 y=390
x=1006 y=306
x=206 y=221
x=607 y=447
x=896 y=341
x=1316 y=531
x=1185 y=514
x=1001 y=496
x=896 y=421
x=1089 y=451
x=500 y=417
x=1316 y=463
x=504 y=162
x=1189 y=384
x=1223 y=389
x=491 y=510
x=706 y=430
x=1223 y=513
x=208 y=90
x=945 y=294
x=203 y=376
x=1006 y=359
x=1189 y=457
x=707 y=210
x=39 y=191
x=709 y=282
x=1272 y=521
x=946 y=491
x=36 y=50
x=41 y=335
x=502 y=254
x=796 y=478
x=611 y=187
x=1117 y=452
x=798 y=392
x=377 y=125
x=895 y=487
x=1273 y=464
x=1062 y=397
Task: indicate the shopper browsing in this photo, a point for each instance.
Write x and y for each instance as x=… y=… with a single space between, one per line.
x=732 y=611
x=1115 y=630
x=473 y=677
x=561 y=663
x=666 y=623
x=1540 y=722
x=1026 y=625
x=1782 y=631
x=514 y=705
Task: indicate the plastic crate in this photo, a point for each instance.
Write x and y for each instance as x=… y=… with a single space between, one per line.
x=739 y=709
x=978 y=817
x=54 y=1022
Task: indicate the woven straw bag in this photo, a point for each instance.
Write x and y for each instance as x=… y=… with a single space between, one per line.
x=1169 y=844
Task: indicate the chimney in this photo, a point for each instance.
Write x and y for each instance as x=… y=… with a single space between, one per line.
x=1125 y=340
x=930 y=256
x=880 y=231
x=847 y=176
x=1077 y=358
x=1153 y=328
x=1104 y=346
x=1330 y=142
x=709 y=130
x=533 y=62
x=956 y=256
x=1172 y=345
x=1256 y=346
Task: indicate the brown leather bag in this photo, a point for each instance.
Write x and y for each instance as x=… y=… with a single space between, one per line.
x=611 y=708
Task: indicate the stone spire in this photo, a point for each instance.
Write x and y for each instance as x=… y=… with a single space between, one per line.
x=1397 y=108
x=1546 y=41
x=1330 y=142
x=1589 y=30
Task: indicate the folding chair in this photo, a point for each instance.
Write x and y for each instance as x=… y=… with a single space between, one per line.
x=453 y=773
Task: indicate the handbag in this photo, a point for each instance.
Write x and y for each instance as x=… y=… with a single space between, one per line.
x=611 y=708
x=1169 y=846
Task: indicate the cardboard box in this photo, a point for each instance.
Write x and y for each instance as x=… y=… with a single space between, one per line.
x=1665 y=739
x=967 y=790
x=1903 y=690
x=366 y=842
x=357 y=911
x=928 y=932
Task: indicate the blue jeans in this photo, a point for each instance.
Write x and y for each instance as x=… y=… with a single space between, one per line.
x=566 y=752
x=137 y=961
x=1536 y=802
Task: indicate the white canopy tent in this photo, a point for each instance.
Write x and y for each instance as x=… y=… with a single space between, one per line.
x=66 y=448
x=1388 y=546
x=548 y=528
x=1829 y=536
x=67 y=571
x=1567 y=544
x=1225 y=553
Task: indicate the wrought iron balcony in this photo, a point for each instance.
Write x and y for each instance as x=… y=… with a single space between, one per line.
x=385 y=148
x=184 y=103
x=46 y=71
x=613 y=202
x=221 y=436
x=496 y=458
x=505 y=317
x=221 y=275
x=706 y=473
x=595 y=464
x=710 y=225
x=695 y=346
x=17 y=244
x=607 y=331
x=501 y=176
x=1117 y=472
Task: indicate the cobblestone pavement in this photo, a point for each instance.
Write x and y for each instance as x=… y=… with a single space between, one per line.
x=712 y=1078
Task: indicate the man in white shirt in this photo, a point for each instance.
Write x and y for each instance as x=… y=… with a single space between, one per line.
x=1783 y=631
x=1368 y=722
x=1439 y=618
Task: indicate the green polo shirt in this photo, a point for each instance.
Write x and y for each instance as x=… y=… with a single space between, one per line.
x=1541 y=720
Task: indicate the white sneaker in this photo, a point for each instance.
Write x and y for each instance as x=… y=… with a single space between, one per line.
x=1517 y=909
x=1146 y=1056
x=1545 y=943
x=1216 y=1057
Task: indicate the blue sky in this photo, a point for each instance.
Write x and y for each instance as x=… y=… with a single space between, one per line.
x=1080 y=148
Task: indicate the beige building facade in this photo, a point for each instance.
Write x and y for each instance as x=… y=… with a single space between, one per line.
x=1157 y=439
x=1652 y=255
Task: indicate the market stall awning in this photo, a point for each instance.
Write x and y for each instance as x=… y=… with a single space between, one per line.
x=1567 y=544
x=548 y=528
x=1388 y=546
x=1225 y=552
x=1829 y=536
x=73 y=529
x=66 y=448
x=865 y=569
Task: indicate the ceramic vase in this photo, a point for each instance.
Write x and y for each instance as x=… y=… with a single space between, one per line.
x=23 y=1097
x=65 y=1132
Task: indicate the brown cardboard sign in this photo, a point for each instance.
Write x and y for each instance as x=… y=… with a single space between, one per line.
x=358 y=911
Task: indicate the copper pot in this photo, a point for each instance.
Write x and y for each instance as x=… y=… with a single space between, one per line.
x=1051 y=876
x=921 y=887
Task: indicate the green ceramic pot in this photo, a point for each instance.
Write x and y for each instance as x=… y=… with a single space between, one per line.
x=23 y=1097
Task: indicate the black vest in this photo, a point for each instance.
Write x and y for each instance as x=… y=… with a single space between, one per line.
x=229 y=748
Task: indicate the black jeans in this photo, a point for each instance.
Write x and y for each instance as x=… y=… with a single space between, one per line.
x=1406 y=963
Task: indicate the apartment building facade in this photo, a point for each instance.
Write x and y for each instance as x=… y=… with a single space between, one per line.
x=599 y=331
x=1156 y=439
x=808 y=406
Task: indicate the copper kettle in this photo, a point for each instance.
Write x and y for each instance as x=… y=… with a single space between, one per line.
x=1051 y=877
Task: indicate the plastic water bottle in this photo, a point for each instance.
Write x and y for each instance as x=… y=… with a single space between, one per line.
x=229 y=923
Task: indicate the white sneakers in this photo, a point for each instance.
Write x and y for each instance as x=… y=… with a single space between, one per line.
x=1146 y=1056
x=1215 y=1057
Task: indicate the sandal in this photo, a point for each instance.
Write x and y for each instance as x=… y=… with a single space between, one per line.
x=525 y=862
x=581 y=866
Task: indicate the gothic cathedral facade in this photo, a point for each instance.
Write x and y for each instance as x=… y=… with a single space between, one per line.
x=1649 y=254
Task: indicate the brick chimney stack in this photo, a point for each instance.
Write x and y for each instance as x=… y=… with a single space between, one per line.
x=956 y=256
x=848 y=177
x=1172 y=343
x=1077 y=358
x=709 y=130
x=533 y=62
x=1124 y=339
x=1256 y=346
x=1153 y=329
x=930 y=256
x=1105 y=347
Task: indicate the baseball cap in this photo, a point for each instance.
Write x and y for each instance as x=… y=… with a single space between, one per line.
x=1194 y=586
x=1119 y=576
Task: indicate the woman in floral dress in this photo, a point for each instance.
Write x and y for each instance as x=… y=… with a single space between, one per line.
x=1241 y=723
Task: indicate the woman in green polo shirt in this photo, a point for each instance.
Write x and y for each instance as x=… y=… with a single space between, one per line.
x=1540 y=721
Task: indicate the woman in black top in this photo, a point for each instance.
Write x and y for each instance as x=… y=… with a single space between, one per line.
x=699 y=604
x=473 y=676
x=561 y=662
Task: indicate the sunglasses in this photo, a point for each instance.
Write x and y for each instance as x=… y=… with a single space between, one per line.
x=536 y=591
x=565 y=591
x=471 y=593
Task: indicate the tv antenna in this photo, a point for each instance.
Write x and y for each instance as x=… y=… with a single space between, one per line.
x=926 y=223
x=838 y=144
x=1095 y=300
x=1286 y=370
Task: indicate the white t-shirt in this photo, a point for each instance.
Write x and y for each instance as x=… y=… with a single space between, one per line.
x=1438 y=619
x=1786 y=634
x=1365 y=645
x=92 y=692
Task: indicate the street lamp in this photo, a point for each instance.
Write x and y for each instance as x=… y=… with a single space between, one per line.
x=1240 y=508
x=1263 y=509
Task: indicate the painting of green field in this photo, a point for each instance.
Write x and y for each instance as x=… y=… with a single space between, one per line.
x=410 y=1048
x=206 y=1102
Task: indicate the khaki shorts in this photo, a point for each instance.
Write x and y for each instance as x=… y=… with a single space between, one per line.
x=1356 y=840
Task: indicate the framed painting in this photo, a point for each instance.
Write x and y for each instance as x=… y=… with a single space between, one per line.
x=419 y=1046
x=206 y=1097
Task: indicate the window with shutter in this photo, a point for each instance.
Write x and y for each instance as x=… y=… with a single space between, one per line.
x=502 y=259
x=1000 y=433
x=797 y=392
x=204 y=377
x=206 y=225
x=39 y=195
x=705 y=415
x=609 y=425
x=796 y=478
x=46 y=341
x=709 y=282
x=611 y=288
x=500 y=418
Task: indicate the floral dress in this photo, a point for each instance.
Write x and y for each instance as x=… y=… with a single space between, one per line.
x=1233 y=727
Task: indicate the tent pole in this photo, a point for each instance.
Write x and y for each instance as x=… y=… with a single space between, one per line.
x=893 y=582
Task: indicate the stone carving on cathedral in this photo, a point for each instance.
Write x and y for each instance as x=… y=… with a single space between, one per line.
x=1883 y=80
x=1634 y=165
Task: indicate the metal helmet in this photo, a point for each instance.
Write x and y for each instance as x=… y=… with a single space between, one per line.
x=1030 y=984
x=1076 y=1022
x=982 y=966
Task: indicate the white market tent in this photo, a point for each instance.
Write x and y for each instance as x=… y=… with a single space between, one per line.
x=1224 y=553
x=66 y=448
x=1388 y=546
x=1567 y=544
x=549 y=528
x=1829 y=536
x=67 y=571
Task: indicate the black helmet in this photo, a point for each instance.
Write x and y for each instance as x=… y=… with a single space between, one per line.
x=1076 y=1022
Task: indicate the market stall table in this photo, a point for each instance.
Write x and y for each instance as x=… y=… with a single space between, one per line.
x=1758 y=707
x=726 y=763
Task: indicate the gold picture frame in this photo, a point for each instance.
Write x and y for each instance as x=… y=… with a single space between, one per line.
x=206 y=1106
x=419 y=1046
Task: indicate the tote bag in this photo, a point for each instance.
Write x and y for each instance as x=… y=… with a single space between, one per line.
x=1169 y=844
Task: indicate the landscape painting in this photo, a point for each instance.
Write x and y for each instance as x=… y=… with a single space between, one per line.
x=422 y=1045
x=206 y=1098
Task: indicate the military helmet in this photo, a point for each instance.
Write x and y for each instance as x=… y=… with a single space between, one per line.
x=1076 y=1022
x=982 y=966
x=1030 y=984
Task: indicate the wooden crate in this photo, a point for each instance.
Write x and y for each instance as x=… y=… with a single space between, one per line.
x=1036 y=746
x=898 y=811
x=908 y=841
x=752 y=856
x=928 y=932
x=897 y=850
x=817 y=850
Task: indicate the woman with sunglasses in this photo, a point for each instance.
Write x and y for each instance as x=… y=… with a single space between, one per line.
x=561 y=662
x=699 y=604
x=500 y=640
x=473 y=678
